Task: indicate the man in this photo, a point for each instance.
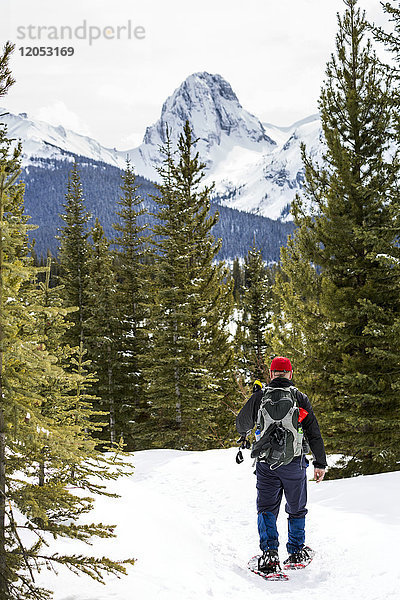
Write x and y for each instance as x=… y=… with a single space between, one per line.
x=289 y=478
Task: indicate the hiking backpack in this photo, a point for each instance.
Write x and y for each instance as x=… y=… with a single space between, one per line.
x=281 y=435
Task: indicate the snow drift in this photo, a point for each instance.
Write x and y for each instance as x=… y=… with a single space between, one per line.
x=189 y=519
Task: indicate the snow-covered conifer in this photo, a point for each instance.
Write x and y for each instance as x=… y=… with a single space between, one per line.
x=343 y=262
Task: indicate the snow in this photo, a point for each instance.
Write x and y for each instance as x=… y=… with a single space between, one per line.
x=256 y=166
x=189 y=519
x=218 y=122
x=42 y=140
x=266 y=182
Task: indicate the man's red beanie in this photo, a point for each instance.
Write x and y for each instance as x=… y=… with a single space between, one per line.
x=280 y=363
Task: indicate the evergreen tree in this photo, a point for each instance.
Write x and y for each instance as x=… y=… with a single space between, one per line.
x=238 y=281
x=191 y=370
x=103 y=331
x=347 y=248
x=73 y=256
x=45 y=413
x=297 y=325
x=132 y=410
x=50 y=326
x=14 y=271
x=255 y=319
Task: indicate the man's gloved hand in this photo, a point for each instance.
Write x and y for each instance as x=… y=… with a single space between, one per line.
x=243 y=441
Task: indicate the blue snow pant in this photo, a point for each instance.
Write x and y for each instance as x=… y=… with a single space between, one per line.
x=271 y=483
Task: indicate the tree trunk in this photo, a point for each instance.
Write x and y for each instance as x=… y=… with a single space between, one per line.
x=41 y=474
x=111 y=398
x=178 y=406
x=3 y=563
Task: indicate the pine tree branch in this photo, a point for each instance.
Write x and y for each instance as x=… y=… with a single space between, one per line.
x=6 y=78
x=24 y=554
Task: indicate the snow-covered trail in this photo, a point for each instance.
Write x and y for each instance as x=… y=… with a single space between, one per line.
x=189 y=519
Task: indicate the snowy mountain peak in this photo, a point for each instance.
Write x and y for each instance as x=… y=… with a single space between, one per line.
x=213 y=110
x=256 y=167
x=42 y=140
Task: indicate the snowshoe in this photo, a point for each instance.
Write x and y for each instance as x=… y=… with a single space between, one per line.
x=267 y=566
x=299 y=560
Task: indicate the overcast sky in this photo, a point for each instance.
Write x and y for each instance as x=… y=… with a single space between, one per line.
x=272 y=52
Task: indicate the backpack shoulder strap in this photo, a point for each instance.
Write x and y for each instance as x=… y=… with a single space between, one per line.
x=265 y=391
x=293 y=389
